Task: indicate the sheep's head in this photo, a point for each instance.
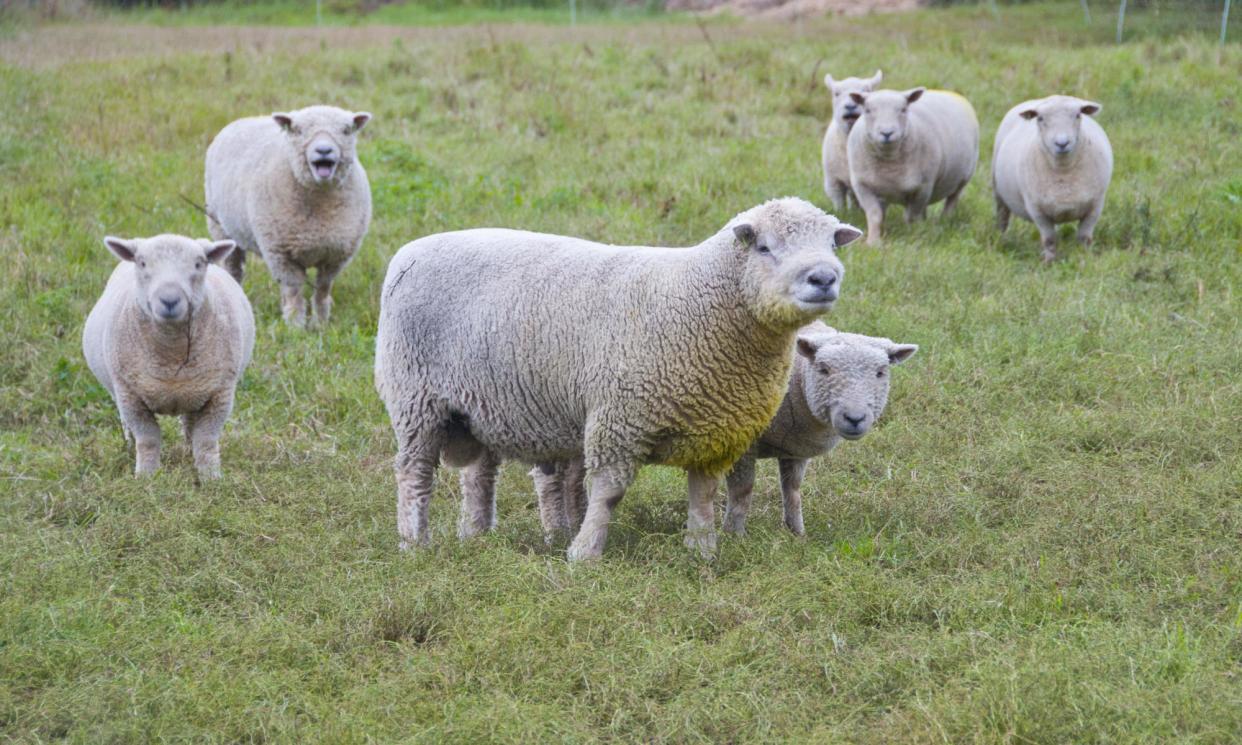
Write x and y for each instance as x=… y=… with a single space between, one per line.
x=322 y=142
x=887 y=115
x=790 y=268
x=170 y=271
x=845 y=110
x=1059 y=119
x=845 y=377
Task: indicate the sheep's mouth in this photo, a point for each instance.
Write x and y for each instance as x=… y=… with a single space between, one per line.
x=851 y=118
x=323 y=168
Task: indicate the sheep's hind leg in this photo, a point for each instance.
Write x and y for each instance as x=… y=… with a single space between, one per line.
x=478 y=496
x=608 y=485
x=415 y=467
x=701 y=520
x=741 y=486
x=549 y=488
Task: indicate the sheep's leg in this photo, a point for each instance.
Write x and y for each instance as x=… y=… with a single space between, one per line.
x=701 y=521
x=550 y=490
x=916 y=208
x=1047 y=236
x=1002 y=215
x=741 y=485
x=950 y=202
x=608 y=485
x=415 y=467
x=793 y=470
x=1086 y=226
x=235 y=264
x=478 y=496
x=838 y=192
x=292 y=279
x=202 y=431
x=874 y=210
x=141 y=423
x=573 y=491
x=324 y=278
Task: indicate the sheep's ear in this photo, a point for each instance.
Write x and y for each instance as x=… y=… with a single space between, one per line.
x=1091 y=108
x=360 y=120
x=876 y=79
x=745 y=233
x=808 y=345
x=899 y=353
x=1028 y=114
x=858 y=98
x=845 y=235
x=284 y=121
x=828 y=81
x=915 y=94
x=125 y=250
x=218 y=250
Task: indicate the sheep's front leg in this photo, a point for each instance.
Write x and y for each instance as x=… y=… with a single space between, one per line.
x=141 y=423
x=1086 y=226
x=793 y=470
x=202 y=431
x=838 y=192
x=740 y=484
x=873 y=207
x=292 y=279
x=701 y=521
x=608 y=485
x=235 y=264
x=478 y=496
x=1002 y=215
x=549 y=489
x=324 y=277
x=916 y=207
x=1047 y=236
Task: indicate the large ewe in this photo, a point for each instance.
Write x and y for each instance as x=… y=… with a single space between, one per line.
x=845 y=111
x=289 y=187
x=497 y=344
x=171 y=334
x=1052 y=165
x=837 y=390
x=913 y=148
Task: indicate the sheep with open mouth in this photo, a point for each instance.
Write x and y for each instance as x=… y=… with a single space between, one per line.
x=289 y=187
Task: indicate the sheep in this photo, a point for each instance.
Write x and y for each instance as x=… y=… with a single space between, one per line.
x=500 y=344
x=171 y=334
x=913 y=148
x=290 y=188
x=1052 y=165
x=837 y=390
x=845 y=111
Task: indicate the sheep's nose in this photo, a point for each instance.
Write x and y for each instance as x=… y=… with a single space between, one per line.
x=853 y=419
x=821 y=278
x=1062 y=142
x=887 y=134
x=324 y=149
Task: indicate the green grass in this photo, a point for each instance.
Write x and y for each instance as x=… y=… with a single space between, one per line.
x=1042 y=542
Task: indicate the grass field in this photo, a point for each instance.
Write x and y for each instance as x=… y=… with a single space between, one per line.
x=1042 y=542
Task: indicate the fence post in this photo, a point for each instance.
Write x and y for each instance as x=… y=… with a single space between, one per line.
x=1121 y=20
x=1224 y=23
x=1086 y=12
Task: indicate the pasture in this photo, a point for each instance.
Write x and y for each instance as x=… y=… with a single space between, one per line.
x=1041 y=542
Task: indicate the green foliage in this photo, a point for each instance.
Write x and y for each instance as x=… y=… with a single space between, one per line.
x=1041 y=543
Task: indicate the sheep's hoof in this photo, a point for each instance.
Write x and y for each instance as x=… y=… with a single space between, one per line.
x=576 y=554
x=704 y=542
x=735 y=524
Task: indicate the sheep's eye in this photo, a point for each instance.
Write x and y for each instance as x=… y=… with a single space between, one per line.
x=763 y=249
x=198 y=264
x=879 y=373
x=824 y=369
x=142 y=264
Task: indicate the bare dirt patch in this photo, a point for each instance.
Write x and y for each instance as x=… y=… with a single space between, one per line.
x=781 y=10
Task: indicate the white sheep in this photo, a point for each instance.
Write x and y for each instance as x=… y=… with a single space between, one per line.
x=1051 y=165
x=845 y=111
x=501 y=344
x=289 y=187
x=838 y=389
x=912 y=148
x=171 y=334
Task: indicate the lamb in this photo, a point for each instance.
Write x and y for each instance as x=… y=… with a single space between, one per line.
x=171 y=334
x=837 y=390
x=912 y=148
x=290 y=188
x=500 y=344
x=845 y=112
x=1052 y=165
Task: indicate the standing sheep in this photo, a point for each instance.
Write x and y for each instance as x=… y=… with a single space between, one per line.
x=845 y=112
x=913 y=148
x=171 y=334
x=501 y=344
x=289 y=187
x=837 y=390
x=1052 y=165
